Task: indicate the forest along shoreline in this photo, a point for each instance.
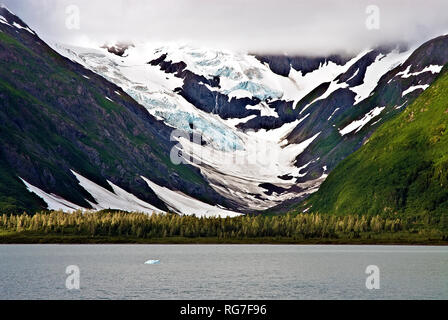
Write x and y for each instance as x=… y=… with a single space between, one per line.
x=114 y=227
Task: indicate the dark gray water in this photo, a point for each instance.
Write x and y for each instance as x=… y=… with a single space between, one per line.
x=223 y=272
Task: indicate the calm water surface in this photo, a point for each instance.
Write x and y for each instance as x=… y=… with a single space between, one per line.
x=223 y=272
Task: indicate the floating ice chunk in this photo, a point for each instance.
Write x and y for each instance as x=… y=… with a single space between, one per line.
x=152 y=262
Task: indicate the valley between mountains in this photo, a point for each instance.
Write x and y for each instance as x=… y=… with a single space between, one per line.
x=97 y=128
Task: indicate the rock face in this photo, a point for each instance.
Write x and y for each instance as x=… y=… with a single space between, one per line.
x=282 y=64
x=119 y=48
x=56 y=116
x=198 y=90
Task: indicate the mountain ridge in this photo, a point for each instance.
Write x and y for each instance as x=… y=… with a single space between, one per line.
x=402 y=168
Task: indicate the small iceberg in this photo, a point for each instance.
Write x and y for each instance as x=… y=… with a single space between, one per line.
x=152 y=262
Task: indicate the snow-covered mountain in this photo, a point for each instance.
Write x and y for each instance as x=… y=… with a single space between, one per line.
x=271 y=132
x=253 y=132
x=236 y=162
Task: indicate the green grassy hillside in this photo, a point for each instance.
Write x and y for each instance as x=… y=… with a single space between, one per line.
x=402 y=168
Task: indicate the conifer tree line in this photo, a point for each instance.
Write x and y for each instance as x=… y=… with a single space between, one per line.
x=139 y=225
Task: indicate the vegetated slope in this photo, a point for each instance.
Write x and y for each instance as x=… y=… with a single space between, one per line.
x=346 y=119
x=346 y=122
x=402 y=168
x=56 y=116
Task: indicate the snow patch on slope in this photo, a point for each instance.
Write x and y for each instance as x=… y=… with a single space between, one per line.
x=432 y=68
x=334 y=112
x=375 y=71
x=335 y=85
x=265 y=110
x=413 y=88
x=54 y=202
x=359 y=124
x=4 y=21
x=119 y=199
x=18 y=26
x=306 y=83
x=186 y=205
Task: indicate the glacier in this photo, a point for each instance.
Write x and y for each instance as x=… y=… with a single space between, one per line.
x=237 y=163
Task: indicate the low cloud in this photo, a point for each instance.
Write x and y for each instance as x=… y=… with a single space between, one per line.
x=280 y=26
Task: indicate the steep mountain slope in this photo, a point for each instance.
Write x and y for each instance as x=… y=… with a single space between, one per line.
x=78 y=140
x=352 y=112
x=302 y=121
x=403 y=167
x=345 y=120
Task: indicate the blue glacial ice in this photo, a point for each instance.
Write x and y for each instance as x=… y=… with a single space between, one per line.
x=213 y=131
x=228 y=72
x=259 y=91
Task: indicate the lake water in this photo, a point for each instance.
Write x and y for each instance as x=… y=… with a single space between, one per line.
x=223 y=272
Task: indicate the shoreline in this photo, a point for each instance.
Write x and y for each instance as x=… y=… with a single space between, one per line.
x=137 y=228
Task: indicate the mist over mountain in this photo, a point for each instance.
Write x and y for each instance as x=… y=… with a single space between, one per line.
x=265 y=27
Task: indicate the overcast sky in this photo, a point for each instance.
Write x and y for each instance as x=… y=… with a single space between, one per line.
x=271 y=26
